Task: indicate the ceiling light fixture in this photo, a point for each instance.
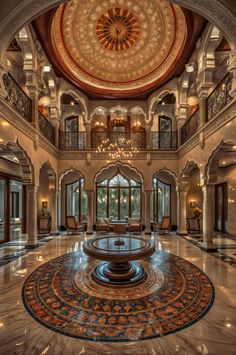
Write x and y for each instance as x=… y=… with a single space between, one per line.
x=117 y=150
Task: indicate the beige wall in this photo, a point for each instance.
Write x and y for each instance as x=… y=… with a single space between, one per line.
x=194 y=192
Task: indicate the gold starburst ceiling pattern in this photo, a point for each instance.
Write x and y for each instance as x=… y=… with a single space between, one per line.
x=118 y=46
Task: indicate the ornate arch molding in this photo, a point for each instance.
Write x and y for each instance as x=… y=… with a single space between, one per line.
x=118 y=166
x=213 y=162
x=66 y=172
x=78 y=97
x=25 y=162
x=217 y=13
x=186 y=172
x=51 y=174
x=168 y=172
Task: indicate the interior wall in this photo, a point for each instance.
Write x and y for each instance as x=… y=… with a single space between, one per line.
x=229 y=175
x=194 y=192
x=43 y=193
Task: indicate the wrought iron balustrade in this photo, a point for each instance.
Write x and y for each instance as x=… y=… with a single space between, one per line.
x=124 y=140
x=46 y=128
x=190 y=127
x=71 y=140
x=219 y=97
x=17 y=97
x=164 y=140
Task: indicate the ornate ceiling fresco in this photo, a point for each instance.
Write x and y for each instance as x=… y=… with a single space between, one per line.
x=117 y=48
x=118 y=45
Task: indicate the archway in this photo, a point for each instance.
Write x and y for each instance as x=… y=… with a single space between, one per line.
x=118 y=193
x=16 y=172
x=47 y=200
x=164 y=198
x=220 y=175
x=73 y=198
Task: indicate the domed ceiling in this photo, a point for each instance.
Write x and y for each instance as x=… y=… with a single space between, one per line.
x=118 y=48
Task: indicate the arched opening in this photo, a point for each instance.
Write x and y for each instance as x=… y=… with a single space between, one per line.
x=119 y=193
x=164 y=201
x=220 y=172
x=72 y=129
x=164 y=123
x=46 y=199
x=73 y=196
x=16 y=172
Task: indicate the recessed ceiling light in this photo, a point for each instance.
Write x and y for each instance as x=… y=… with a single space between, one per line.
x=223 y=162
x=234 y=146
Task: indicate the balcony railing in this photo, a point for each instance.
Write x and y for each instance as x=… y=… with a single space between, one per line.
x=71 y=140
x=46 y=128
x=164 y=140
x=17 y=97
x=190 y=127
x=219 y=97
x=124 y=140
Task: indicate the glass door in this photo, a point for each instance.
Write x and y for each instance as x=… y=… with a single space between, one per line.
x=15 y=209
x=2 y=210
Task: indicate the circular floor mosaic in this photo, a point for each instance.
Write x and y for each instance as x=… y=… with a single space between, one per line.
x=62 y=296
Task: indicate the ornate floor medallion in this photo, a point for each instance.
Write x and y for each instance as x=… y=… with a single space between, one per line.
x=62 y=296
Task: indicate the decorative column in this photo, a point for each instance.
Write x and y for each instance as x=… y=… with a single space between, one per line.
x=53 y=198
x=32 y=198
x=208 y=217
x=90 y=194
x=31 y=83
x=87 y=135
x=147 y=211
x=180 y=123
x=54 y=118
x=181 y=211
x=149 y=144
x=202 y=109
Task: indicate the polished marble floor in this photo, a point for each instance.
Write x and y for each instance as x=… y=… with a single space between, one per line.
x=213 y=334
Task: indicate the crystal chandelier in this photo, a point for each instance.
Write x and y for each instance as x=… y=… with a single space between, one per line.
x=116 y=150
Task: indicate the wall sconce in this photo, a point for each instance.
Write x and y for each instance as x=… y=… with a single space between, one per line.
x=192 y=204
x=44 y=205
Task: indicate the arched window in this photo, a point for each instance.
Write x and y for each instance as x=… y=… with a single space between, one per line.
x=76 y=200
x=119 y=198
x=161 y=203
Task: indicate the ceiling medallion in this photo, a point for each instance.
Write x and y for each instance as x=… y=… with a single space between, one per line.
x=117 y=29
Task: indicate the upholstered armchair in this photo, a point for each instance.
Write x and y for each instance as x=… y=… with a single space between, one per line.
x=103 y=225
x=73 y=226
x=164 y=226
x=134 y=225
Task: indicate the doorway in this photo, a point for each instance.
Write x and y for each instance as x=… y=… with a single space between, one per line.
x=221 y=208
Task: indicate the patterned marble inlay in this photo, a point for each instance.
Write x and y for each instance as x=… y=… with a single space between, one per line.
x=62 y=296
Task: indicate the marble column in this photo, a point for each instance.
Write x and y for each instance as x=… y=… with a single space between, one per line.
x=149 y=144
x=90 y=194
x=53 y=198
x=32 y=198
x=148 y=194
x=33 y=94
x=208 y=217
x=180 y=123
x=181 y=212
